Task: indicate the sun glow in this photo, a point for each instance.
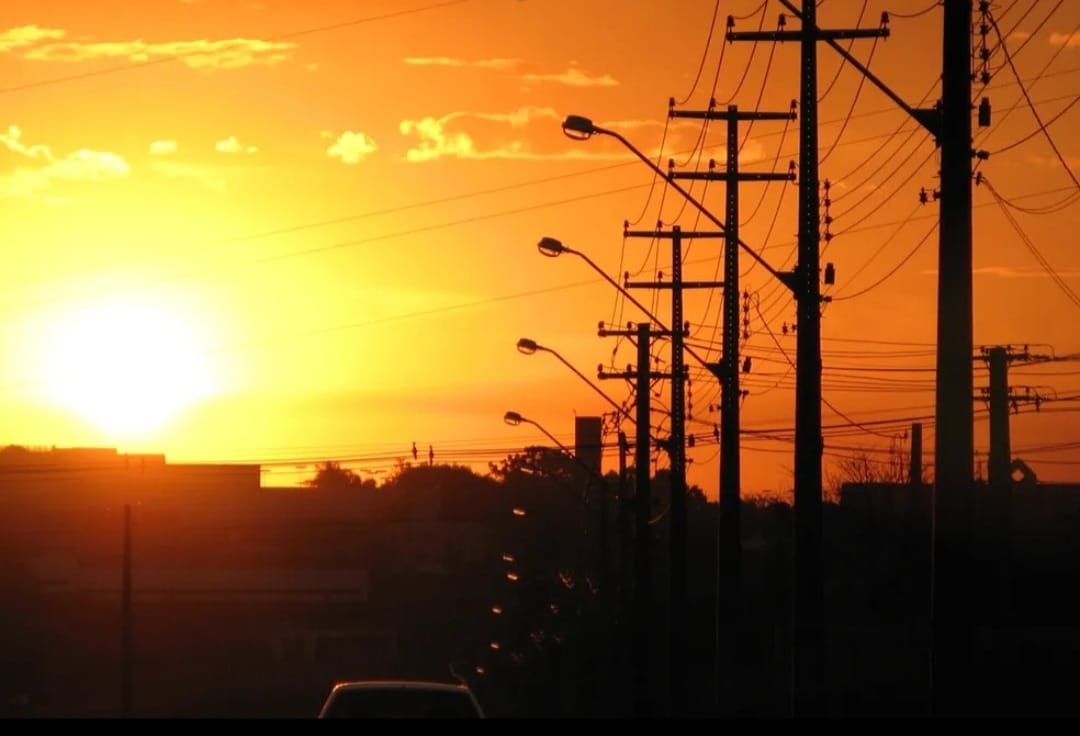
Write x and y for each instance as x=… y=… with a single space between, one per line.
x=128 y=368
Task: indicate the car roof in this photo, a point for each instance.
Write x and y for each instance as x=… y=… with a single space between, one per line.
x=344 y=691
x=399 y=684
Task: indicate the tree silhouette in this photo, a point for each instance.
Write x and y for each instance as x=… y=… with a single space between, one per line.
x=330 y=476
x=870 y=466
x=539 y=461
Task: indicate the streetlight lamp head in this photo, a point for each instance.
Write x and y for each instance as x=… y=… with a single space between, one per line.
x=527 y=346
x=513 y=418
x=578 y=127
x=550 y=247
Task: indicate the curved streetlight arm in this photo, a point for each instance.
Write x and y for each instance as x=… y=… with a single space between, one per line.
x=618 y=286
x=785 y=278
x=562 y=448
x=550 y=436
x=711 y=367
x=618 y=408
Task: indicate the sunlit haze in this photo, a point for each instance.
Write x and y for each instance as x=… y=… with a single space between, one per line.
x=282 y=232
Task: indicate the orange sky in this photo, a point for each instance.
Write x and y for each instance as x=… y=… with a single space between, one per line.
x=331 y=209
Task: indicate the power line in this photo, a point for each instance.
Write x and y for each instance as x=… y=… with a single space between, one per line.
x=843 y=59
x=1060 y=282
x=896 y=268
x=1031 y=105
x=1032 y=34
x=1036 y=132
x=855 y=98
x=753 y=49
x=917 y=14
x=1043 y=73
x=881 y=149
x=704 y=54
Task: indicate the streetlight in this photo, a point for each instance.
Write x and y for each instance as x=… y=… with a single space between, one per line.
x=551 y=248
x=580 y=128
x=802 y=281
x=526 y=346
x=513 y=418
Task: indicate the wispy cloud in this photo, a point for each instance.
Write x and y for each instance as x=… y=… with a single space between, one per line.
x=496 y=63
x=35 y=182
x=23 y=36
x=573 y=78
x=436 y=141
x=1023 y=272
x=351 y=147
x=163 y=148
x=231 y=145
x=44 y=44
x=642 y=124
x=1053 y=162
x=509 y=135
x=201 y=175
x=1068 y=40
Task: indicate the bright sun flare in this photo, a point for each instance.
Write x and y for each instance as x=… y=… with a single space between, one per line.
x=127 y=368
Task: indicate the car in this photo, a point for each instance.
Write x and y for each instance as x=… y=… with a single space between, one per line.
x=400 y=699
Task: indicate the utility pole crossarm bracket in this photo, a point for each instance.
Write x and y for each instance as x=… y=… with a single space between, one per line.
x=841 y=35
x=667 y=234
x=605 y=332
x=719 y=370
x=730 y=115
x=671 y=285
x=629 y=375
x=929 y=118
x=790 y=279
x=741 y=176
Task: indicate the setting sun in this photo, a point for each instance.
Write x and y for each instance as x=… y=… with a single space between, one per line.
x=126 y=367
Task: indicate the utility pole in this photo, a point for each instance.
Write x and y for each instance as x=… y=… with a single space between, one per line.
x=915 y=468
x=623 y=514
x=954 y=444
x=678 y=615
x=950 y=124
x=729 y=605
x=992 y=544
x=588 y=452
x=808 y=653
x=643 y=588
x=1000 y=452
x=1001 y=397
x=127 y=639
